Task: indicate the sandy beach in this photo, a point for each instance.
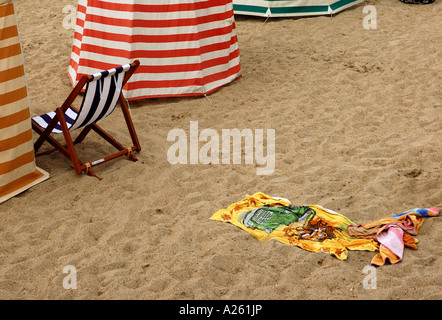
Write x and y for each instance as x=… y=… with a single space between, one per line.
x=357 y=119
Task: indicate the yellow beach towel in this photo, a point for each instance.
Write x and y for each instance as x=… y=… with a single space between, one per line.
x=312 y=227
x=315 y=228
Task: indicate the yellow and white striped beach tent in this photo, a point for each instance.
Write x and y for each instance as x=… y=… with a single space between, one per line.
x=18 y=171
x=290 y=8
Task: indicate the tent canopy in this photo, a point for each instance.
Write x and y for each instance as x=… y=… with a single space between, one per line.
x=290 y=8
x=17 y=161
x=185 y=47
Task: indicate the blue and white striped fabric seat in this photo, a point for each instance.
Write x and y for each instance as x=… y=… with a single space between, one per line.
x=100 y=99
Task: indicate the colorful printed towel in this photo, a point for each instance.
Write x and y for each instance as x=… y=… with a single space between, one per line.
x=315 y=228
x=393 y=234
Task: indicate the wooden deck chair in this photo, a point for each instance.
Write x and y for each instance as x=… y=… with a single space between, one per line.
x=101 y=96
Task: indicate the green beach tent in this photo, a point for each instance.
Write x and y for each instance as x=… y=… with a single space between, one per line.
x=290 y=8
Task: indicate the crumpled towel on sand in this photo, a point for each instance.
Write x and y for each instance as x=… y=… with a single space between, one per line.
x=393 y=234
x=315 y=228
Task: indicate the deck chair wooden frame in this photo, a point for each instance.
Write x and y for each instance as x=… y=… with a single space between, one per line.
x=60 y=117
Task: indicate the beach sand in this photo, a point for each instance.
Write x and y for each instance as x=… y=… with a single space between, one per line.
x=357 y=116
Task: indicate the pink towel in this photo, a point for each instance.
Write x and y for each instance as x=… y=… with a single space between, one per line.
x=392 y=235
x=392 y=238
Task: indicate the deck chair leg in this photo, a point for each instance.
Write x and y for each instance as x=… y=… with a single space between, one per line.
x=130 y=125
x=40 y=140
x=57 y=146
x=106 y=136
x=83 y=134
x=69 y=143
x=44 y=134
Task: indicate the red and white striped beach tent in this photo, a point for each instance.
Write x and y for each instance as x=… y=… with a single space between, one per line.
x=186 y=47
x=18 y=171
